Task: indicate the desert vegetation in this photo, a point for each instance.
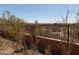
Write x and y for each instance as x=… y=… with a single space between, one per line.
x=14 y=29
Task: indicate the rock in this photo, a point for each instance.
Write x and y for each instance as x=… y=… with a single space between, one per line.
x=8 y=47
x=6 y=50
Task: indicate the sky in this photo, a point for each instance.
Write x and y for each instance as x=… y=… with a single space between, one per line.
x=43 y=13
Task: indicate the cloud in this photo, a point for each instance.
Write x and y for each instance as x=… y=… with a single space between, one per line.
x=49 y=20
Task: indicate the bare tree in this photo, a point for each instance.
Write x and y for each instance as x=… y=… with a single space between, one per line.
x=77 y=26
x=66 y=45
